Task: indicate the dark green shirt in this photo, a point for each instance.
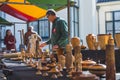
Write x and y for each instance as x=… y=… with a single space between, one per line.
x=59 y=33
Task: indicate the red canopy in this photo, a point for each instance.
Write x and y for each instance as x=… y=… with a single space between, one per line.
x=24 y=12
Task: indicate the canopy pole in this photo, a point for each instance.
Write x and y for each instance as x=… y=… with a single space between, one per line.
x=24 y=1
x=68 y=11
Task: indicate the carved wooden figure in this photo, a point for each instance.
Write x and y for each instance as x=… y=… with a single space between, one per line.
x=78 y=59
x=69 y=57
x=110 y=61
x=32 y=43
x=62 y=61
x=23 y=54
x=39 y=67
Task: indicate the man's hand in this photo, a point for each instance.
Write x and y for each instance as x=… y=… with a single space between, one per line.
x=43 y=44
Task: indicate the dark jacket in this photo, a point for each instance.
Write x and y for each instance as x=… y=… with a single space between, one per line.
x=59 y=33
x=10 y=38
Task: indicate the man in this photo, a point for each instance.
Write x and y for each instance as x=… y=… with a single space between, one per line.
x=27 y=37
x=59 y=37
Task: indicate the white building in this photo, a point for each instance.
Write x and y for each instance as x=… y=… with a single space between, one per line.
x=109 y=16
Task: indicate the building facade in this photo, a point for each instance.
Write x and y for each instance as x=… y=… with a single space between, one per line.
x=108 y=16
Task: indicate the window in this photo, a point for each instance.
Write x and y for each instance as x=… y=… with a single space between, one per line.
x=35 y=26
x=41 y=27
x=75 y=19
x=2 y=34
x=113 y=22
x=109 y=16
x=44 y=28
x=117 y=15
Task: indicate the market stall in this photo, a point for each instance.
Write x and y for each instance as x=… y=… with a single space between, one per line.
x=43 y=65
x=5 y=22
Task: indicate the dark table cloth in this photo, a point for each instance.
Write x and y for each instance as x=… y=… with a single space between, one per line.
x=97 y=55
x=28 y=73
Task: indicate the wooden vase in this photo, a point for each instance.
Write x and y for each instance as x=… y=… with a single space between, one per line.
x=103 y=40
x=117 y=39
x=90 y=39
x=75 y=41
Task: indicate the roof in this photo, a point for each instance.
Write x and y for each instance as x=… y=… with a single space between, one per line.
x=46 y=4
x=24 y=12
x=4 y=22
x=101 y=1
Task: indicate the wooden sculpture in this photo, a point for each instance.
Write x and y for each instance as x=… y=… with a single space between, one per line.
x=59 y=52
x=75 y=41
x=23 y=54
x=91 y=39
x=78 y=62
x=117 y=40
x=69 y=57
x=39 y=67
x=12 y=55
x=32 y=43
x=54 y=70
x=110 y=61
x=62 y=61
x=78 y=59
x=103 y=40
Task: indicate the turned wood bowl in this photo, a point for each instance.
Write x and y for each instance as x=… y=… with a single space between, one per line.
x=87 y=63
x=98 y=69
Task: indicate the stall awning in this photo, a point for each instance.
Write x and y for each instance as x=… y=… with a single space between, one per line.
x=4 y=22
x=24 y=12
x=45 y=4
x=28 y=12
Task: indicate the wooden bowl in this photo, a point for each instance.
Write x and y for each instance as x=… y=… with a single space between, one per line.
x=98 y=69
x=87 y=63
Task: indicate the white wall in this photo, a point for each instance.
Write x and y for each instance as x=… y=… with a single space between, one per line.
x=104 y=7
x=87 y=18
x=62 y=14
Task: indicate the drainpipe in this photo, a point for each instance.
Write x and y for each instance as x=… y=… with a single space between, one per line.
x=98 y=8
x=24 y=1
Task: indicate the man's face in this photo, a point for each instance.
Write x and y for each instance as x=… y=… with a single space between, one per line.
x=50 y=18
x=29 y=29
